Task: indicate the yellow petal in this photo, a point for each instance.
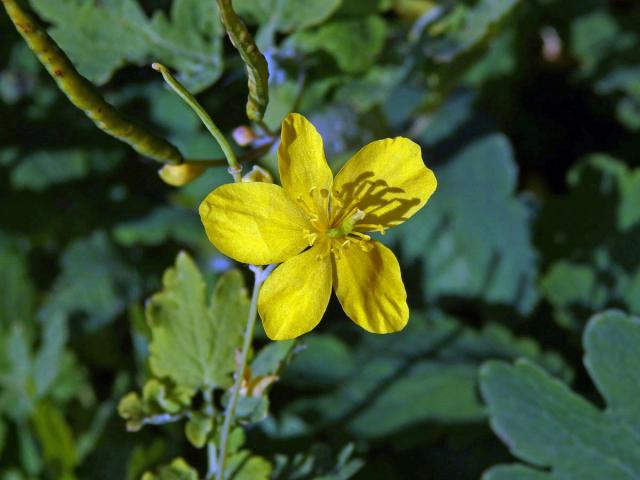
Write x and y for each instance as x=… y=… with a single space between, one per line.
x=304 y=172
x=295 y=296
x=179 y=175
x=387 y=179
x=370 y=288
x=254 y=222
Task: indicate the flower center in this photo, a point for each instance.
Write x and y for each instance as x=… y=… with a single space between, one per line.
x=347 y=225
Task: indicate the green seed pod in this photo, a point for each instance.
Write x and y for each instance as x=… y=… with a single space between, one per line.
x=256 y=64
x=83 y=94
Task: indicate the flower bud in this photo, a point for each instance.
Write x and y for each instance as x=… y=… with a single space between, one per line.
x=179 y=175
x=258 y=174
x=244 y=135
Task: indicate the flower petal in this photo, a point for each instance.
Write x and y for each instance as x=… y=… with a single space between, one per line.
x=370 y=289
x=254 y=222
x=304 y=172
x=387 y=179
x=295 y=296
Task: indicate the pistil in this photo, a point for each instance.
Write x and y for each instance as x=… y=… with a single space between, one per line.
x=347 y=226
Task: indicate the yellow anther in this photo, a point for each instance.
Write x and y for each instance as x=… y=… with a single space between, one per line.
x=361 y=235
x=365 y=245
x=310 y=237
x=375 y=227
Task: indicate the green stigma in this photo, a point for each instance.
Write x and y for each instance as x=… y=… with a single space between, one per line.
x=347 y=226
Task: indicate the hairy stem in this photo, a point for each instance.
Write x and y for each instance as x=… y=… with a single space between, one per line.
x=260 y=276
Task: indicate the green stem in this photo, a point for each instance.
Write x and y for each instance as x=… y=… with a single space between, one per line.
x=260 y=276
x=210 y=410
x=212 y=458
x=248 y=156
x=234 y=166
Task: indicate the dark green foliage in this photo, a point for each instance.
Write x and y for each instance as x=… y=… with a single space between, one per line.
x=528 y=112
x=547 y=425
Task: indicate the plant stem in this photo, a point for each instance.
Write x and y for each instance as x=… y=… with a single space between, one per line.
x=234 y=166
x=260 y=276
x=213 y=462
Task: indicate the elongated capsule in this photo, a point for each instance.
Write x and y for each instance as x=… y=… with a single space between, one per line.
x=256 y=64
x=83 y=94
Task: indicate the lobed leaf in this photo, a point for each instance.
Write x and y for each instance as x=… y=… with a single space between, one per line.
x=473 y=238
x=194 y=340
x=548 y=426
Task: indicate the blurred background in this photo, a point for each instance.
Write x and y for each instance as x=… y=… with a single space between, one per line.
x=529 y=113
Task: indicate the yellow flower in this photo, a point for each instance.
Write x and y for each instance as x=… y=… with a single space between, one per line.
x=316 y=226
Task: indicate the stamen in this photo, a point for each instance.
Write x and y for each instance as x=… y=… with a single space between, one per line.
x=315 y=221
x=310 y=236
x=365 y=245
x=361 y=235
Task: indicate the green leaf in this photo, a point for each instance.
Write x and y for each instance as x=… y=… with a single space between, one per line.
x=476 y=230
x=17 y=298
x=101 y=37
x=194 y=341
x=354 y=43
x=161 y=225
x=446 y=120
x=573 y=289
x=372 y=88
x=48 y=360
x=603 y=48
x=55 y=436
x=514 y=472
x=3 y=435
x=287 y=15
x=363 y=7
x=28 y=374
x=548 y=426
x=245 y=466
x=242 y=464
x=42 y=169
x=426 y=373
x=198 y=428
x=467 y=27
x=592 y=265
x=94 y=281
x=160 y=403
x=178 y=470
x=320 y=463
x=323 y=362
x=272 y=357
x=594 y=38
